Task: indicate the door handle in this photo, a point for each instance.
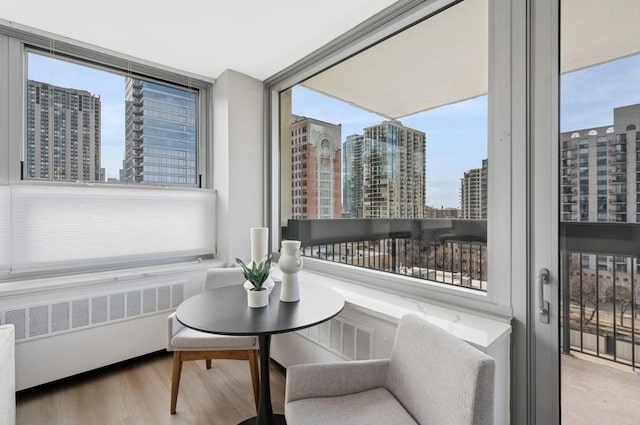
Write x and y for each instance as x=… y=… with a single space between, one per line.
x=543 y=279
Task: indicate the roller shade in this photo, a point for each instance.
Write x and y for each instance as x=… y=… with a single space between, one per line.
x=54 y=227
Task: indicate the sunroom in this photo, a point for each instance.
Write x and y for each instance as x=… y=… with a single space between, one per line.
x=474 y=162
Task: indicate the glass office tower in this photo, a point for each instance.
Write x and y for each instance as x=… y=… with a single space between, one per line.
x=161 y=134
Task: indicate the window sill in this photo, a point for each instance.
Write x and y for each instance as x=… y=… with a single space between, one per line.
x=479 y=329
x=79 y=280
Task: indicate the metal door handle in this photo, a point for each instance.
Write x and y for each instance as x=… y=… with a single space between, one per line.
x=543 y=278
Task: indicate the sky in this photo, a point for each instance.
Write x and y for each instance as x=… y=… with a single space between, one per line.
x=456 y=134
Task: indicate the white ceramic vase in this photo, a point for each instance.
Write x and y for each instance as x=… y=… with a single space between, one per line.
x=259 y=243
x=259 y=250
x=290 y=264
x=257 y=299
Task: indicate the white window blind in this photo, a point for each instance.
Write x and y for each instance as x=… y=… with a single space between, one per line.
x=53 y=227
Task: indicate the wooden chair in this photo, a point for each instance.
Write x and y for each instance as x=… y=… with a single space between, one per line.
x=189 y=344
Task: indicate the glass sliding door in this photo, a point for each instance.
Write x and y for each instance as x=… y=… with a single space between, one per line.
x=599 y=188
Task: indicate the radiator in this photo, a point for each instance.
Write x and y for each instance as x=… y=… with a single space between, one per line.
x=66 y=329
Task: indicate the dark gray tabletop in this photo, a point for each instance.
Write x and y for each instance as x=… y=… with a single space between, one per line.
x=224 y=311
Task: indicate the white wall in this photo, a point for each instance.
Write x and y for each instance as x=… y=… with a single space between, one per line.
x=238 y=162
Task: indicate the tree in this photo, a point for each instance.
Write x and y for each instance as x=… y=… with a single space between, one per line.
x=589 y=295
x=622 y=300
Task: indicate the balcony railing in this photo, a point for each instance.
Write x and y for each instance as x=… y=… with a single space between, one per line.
x=601 y=290
x=448 y=251
x=600 y=273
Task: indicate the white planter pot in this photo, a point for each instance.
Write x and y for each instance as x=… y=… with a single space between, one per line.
x=257 y=299
x=267 y=284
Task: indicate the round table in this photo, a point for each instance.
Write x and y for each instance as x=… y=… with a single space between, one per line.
x=224 y=311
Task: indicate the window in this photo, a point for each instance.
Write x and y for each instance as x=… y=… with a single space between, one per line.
x=403 y=160
x=79 y=175
x=91 y=125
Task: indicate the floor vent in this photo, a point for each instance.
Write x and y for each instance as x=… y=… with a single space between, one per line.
x=345 y=338
x=63 y=316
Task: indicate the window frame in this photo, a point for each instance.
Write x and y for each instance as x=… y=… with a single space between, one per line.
x=16 y=42
x=20 y=42
x=503 y=175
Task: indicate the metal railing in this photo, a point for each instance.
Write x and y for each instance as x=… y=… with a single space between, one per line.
x=448 y=251
x=600 y=291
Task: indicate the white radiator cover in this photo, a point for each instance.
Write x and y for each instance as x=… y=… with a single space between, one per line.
x=62 y=331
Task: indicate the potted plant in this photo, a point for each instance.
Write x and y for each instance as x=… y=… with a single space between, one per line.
x=256 y=275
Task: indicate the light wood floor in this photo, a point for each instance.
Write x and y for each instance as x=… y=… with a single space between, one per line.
x=137 y=393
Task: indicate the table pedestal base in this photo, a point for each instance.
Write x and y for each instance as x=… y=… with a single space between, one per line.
x=277 y=420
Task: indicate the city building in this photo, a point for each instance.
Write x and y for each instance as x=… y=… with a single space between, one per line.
x=160 y=139
x=352 y=176
x=598 y=170
x=599 y=183
x=473 y=193
x=432 y=212
x=393 y=171
x=62 y=134
x=316 y=169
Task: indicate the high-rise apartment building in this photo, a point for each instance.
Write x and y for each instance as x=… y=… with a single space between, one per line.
x=473 y=193
x=316 y=190
x=599 y=169
x=62 y=134
x=393 y=172
x=352 y=176
x=161 y=134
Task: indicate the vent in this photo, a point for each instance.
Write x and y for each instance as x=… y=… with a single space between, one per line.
x=133 y=303
x=41 y=320
x=79 y=313
x=99 y=310
x=18 y=318
x=116 y=306
x=177 y=295
x=149 y=300
x=59 y=317
x=164 y=298
x=345 y=338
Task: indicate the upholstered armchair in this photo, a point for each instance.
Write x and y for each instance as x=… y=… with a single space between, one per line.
x=189 y=344
x=431 y=377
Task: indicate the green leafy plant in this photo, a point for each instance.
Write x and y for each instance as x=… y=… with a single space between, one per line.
x=257 y=273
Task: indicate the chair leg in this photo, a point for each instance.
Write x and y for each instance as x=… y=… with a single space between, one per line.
x=175 y=380
x=208 y=363
x=255 y=380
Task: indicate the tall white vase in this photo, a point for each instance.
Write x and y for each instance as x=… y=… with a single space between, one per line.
x=259 y=250
x=290 y=264
x=259 y=243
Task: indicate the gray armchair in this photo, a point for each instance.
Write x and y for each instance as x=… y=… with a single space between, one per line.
x=189 y=344
x=431 y=377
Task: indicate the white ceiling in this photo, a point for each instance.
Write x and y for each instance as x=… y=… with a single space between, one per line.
x=431 y=64
x=436 y=63
x=204 y=37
